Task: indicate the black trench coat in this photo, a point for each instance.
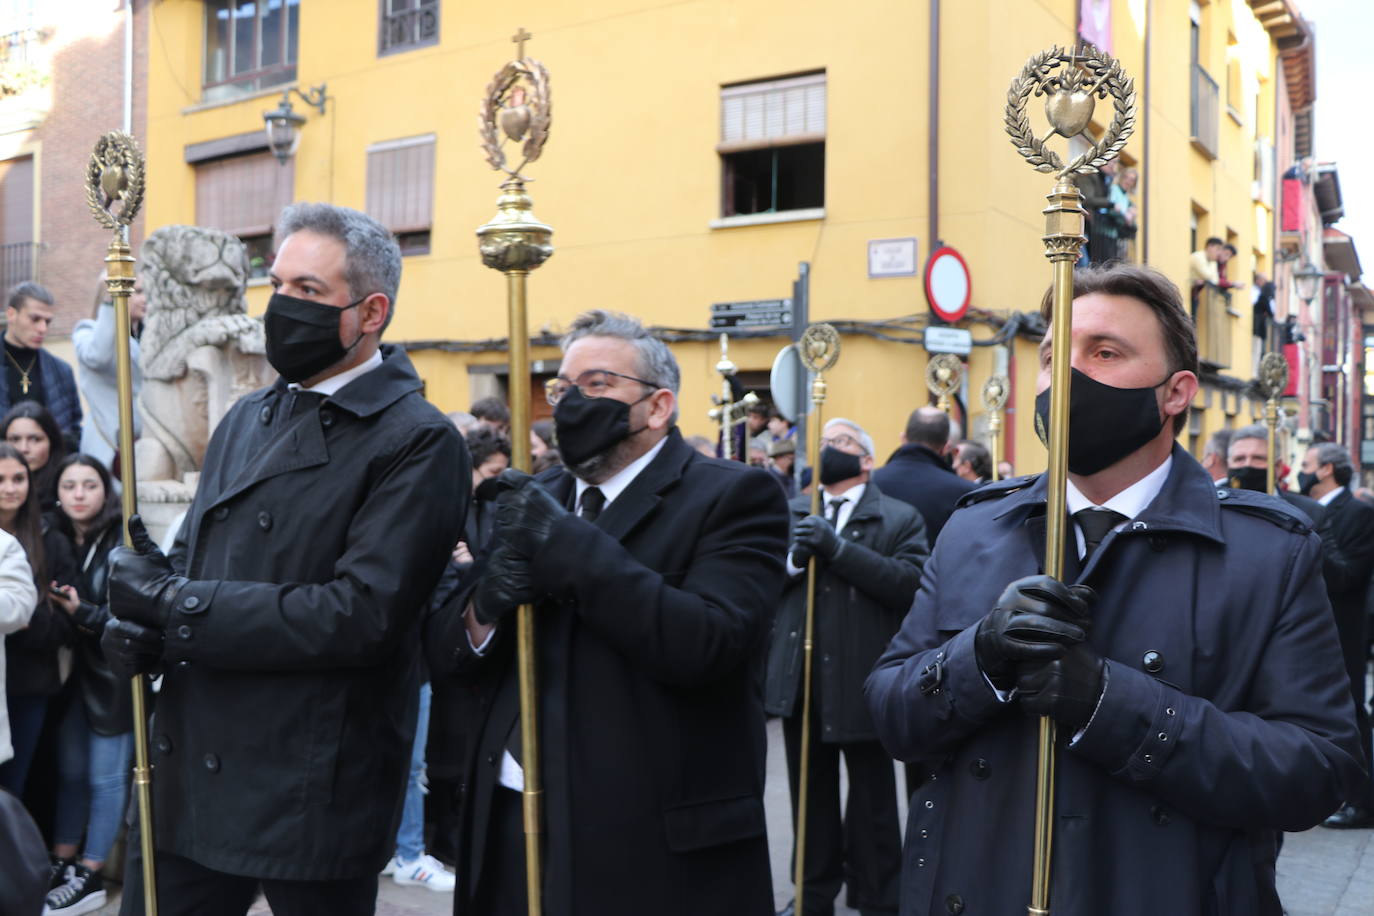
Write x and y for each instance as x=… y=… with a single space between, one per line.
x=281 y=742
x=861 y=599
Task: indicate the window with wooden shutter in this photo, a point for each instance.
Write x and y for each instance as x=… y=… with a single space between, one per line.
x=244 y=195
x=400 y=189
x=406 y=24
x=772 y=145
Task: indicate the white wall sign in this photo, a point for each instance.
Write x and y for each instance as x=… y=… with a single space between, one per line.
x=892 y=257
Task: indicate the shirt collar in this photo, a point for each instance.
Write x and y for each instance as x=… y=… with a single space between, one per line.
x=331 y=385
x=1326 y=500
x=616 y=484
x=850 y=496
x=1131 y=501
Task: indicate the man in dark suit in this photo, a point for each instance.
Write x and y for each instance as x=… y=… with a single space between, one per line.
x=918 y=472
x=1247 y=468
x=31 y=372
x=1347 y=552
x=654 y=572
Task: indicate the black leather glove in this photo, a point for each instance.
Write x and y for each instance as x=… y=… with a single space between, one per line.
x=1036 y=619
x=525 y=513
x=506 y=584
x=814 y=537
x=1066 y=689
x=143 y=587
x=130 y=648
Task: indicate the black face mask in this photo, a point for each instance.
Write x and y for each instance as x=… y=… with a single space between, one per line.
x=1256 y=479
x=1306 y=481
x=587 y=427
x=1105 y=423
x=837 y=465
x=303 y=336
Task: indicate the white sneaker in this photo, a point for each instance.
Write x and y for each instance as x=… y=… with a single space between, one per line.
x=390 y=868
x=426 y=871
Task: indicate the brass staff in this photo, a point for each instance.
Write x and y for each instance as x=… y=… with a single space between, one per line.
x=516 y=109
x=994 y=397
x=724 y=409
x=115 y=176
x=819 y=348
x=1071 y=81
x=1273 y=378
x=943 y=374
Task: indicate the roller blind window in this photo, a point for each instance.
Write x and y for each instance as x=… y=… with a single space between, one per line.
x=400 y=189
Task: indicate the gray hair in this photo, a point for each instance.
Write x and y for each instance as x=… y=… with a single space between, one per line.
x=372 y=258
x=1339 y=459
x=1253 y=431
x=865 y=439
x=654 y=363
x=1219 y=444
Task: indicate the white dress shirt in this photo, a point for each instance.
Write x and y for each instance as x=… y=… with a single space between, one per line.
x=331 y=385
x=850 y=498
x=1326 y=500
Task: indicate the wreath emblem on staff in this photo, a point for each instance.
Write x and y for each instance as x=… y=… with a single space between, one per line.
x=1273 y=374
x=943 y=373
x=517 y=104
x=115 y=175
x=1072 y=82
x=819 y=347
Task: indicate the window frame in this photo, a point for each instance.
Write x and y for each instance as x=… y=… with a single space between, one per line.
x=728 y=149
x=250 y=80
x=385 y=50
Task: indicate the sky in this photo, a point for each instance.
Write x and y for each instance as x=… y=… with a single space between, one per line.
x=1341 y=130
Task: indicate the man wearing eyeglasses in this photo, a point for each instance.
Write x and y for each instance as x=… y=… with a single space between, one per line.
x=870 y=549
x=654 y=572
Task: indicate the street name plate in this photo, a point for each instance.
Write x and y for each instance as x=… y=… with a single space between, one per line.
x=760 y=313
x=949 y=340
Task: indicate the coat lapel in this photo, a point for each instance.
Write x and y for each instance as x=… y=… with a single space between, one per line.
x=641 y=497
x=301 y=445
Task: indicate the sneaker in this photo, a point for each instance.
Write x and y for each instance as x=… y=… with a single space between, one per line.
x=390 y=867
x=426 y=871
x=57 y=871
x=83 y=892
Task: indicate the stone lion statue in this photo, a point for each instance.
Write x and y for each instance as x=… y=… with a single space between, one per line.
x=200 y=351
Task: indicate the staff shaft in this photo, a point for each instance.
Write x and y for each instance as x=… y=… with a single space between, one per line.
x=1271 y=420
x=119 y=280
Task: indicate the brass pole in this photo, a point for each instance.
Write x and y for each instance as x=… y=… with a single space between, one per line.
x=820 y=348
x=724 y=411
x=994 y=397
x=516 y=109
x=115 y=176
x=1271 y=420
x=995 y=437
x=1273 y=378
x=1072 y=80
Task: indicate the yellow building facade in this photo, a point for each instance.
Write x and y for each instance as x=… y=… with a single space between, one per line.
x=668 y=193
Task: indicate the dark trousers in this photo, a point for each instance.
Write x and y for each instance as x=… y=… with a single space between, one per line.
x=862 y=849
x=185 y=888
x=501 y=888
x=26 y=724
x=1351 y=627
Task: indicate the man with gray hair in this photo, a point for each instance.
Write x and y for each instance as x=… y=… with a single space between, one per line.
x=654 y=572
x=870 y=549
x=1347 y=535
x=1215 y=454
x=285 y=618
x=1247 y=468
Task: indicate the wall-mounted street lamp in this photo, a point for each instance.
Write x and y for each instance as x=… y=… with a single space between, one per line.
x=284 y=125
x=1308 y=280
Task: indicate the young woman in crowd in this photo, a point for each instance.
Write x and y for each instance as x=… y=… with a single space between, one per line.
x=32 y=430
x=95 y=738
x=32 y=672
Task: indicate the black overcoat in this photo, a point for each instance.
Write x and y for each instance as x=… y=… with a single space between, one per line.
x=651 y=709
x=1226 y=715
x=281 y=742
x=861 y=597
x=919 y=477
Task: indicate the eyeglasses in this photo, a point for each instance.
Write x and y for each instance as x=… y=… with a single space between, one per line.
x=843 y=441
x=593 y=384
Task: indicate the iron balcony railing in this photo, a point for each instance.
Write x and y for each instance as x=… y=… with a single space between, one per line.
x=410 y=28
x=1206 y=112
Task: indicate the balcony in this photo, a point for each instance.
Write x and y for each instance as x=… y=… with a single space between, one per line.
x=1214 y=318
x=18 y=262
x=408 y=24
x=1206 y=113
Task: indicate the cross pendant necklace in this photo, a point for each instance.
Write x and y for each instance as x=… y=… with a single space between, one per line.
x=23 y=373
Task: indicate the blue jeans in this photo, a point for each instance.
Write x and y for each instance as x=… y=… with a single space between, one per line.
x=410 y=837
x=26 y=723
x=93 y=783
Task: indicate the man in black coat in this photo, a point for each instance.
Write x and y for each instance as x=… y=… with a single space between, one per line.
x=919 y=473
x=286 y=619
x=869 y=549
x=1347 y=535
x=1247 y=462
x=654 y=572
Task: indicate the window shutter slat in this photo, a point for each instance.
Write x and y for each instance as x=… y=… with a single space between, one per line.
x=400 y=184
x=773 y=110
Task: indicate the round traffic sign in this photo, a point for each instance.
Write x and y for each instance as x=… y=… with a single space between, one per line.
x=949 y=286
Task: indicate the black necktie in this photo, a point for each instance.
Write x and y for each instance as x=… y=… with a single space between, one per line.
x=592 y=502
x=1096 y=524
x=835 y=510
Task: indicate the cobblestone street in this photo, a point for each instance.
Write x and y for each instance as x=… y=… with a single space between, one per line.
x=1321 y=872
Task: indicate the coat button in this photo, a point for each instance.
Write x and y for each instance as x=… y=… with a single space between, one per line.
x=954 y=904
x=1152 y=661
x=212 y=763
x=220 y=513
x=191 y=603
x=327 y=418
x=929 y=805
x=183 y=664
x=980 y=769
x=491 y=760
x=1160 y=815
x=184 y=631
x=265 y=415
x=164 y=744
x=265 y=521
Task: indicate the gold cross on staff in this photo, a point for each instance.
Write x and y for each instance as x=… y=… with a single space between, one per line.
x=519 y=38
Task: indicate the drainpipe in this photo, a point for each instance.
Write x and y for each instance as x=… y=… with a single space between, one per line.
x=933 y=130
